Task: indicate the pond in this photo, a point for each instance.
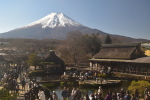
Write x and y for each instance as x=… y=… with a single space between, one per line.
x=89 y=90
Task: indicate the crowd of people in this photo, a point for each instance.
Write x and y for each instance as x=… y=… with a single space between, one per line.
x=9 y=78
x=76 y=94
x=91 y=74
x=32 y=90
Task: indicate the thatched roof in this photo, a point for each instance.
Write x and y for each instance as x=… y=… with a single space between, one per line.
x=140 y=60
x=120 y=51
x=108 y=60
x=51 y=57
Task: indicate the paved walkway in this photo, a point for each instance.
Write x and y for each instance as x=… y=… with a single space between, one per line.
x=1 y=87
x=21 y=92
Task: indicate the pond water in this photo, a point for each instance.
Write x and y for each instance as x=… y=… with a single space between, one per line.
x=89 y=90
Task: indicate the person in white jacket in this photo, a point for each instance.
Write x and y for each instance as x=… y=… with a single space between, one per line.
x=100 y=91
x=41 y=95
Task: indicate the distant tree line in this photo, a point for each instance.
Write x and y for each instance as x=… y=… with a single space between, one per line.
x=76 y=48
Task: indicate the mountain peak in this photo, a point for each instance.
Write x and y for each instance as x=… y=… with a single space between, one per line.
x=55 y=20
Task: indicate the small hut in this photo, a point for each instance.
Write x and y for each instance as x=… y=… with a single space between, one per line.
x=52 y=63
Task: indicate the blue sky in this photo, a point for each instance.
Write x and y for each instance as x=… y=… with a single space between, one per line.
x=122 y=17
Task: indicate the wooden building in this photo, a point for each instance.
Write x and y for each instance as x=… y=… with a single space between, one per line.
x=122 y=57
x=52 y=63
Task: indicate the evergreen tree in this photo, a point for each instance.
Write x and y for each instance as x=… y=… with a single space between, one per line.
x=108 y=40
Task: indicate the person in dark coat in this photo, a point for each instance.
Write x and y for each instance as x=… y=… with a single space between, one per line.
x=78 y=93
x=23 y=83
x=64 y=93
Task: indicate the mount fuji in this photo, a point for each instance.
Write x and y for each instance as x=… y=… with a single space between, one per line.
x=55 y=20
x=53 y=26
x=56 y=26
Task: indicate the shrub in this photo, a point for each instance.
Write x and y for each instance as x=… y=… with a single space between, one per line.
x=102 y=75
x=48 y=84
x=37 y=73
x=5 y=95
x=140 y=85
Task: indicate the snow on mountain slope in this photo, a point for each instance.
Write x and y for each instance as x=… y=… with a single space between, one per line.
x=55 y=20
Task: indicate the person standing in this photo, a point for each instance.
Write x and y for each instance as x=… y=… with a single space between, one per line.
x=108 y=97
x=17 y=89
x=133 y=97
x=64 y=93
x=147 y=97
x=87 y=97
x=127 y=96
x=78 y=93
x=100 y=91
x=73 y=93
x=137 y=94
x=23 y=84
x=68 y=94
x=145 y=91
x=114 y=96
x=41 y=95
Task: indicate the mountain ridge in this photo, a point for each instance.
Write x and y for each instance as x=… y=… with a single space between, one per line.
x=56 y=26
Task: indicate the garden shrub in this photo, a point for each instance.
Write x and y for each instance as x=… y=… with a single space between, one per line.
x=102 y=75
x=5 y=95
x=140 y=85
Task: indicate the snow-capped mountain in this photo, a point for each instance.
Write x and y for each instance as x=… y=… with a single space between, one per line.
x=55 y=20
x=56 y=26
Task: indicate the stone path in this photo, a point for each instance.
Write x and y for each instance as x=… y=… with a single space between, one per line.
x=21 y=93
x=1 y=87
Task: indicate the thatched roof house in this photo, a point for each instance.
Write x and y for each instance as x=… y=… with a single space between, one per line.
x=123 y=57
x=143 y=60
x=52 y=58
x=53 y=64
x=120 y=51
